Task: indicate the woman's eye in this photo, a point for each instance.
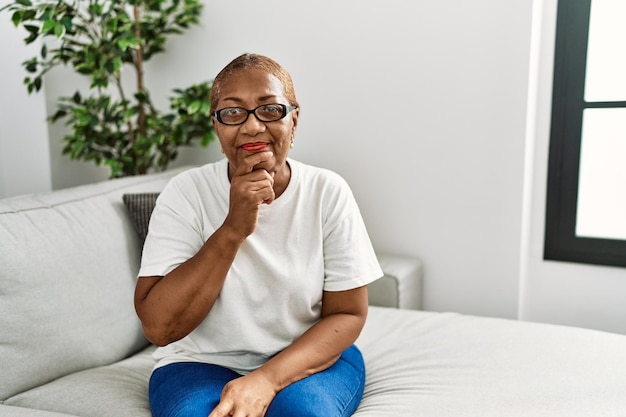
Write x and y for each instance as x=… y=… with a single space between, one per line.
x=232 y=111
x=271 y=109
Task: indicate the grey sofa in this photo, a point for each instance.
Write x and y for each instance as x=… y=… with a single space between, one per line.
x=71 y=344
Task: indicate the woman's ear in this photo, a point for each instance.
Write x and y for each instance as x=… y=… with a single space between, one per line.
x=294 y=118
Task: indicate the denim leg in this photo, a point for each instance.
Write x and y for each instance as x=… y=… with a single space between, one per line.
x=334 y=392
x=190 y=389
x=187 y=389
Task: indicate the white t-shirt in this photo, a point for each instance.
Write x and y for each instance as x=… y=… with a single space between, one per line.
x=309 y=240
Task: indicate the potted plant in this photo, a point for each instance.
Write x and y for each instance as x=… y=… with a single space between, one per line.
x=100 y=38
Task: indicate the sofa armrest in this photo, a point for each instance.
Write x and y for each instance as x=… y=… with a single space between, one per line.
x=401 y=286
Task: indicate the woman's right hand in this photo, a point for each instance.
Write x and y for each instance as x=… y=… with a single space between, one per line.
x=249 y=188
x=246 y=396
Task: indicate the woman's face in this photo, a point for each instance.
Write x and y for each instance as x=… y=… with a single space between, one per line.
x=250 y=89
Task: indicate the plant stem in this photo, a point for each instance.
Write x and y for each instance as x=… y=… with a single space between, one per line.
x=120 y=89
x=141 y=118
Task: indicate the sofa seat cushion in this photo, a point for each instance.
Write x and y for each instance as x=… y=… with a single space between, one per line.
x=116 y=390
x=8 y=411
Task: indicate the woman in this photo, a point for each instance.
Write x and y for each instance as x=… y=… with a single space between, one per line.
x=254 y=271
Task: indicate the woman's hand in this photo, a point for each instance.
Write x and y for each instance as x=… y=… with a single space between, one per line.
x=247 y=396
x=249 y=188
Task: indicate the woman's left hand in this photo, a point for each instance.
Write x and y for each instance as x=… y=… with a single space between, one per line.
x=247 y=396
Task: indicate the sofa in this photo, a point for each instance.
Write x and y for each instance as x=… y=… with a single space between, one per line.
x=71 y=344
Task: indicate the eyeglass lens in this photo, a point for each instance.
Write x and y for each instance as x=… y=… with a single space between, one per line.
x=265 y=113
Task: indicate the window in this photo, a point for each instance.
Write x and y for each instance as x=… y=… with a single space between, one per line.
x=586 y=200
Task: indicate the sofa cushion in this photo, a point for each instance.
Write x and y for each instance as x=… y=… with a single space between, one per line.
x=140 y=207
x=116 y=390
x=8 y=411
x=69 y=263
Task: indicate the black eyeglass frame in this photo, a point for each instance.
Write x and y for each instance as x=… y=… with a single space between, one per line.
x=286 y=110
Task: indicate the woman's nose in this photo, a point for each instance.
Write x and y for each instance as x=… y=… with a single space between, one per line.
x=253 y=125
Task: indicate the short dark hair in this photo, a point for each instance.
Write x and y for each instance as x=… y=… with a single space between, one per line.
x=246 y=62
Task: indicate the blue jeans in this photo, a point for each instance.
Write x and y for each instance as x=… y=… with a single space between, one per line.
x=191 y=389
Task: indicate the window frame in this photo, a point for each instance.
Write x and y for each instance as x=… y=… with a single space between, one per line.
x=568 y=104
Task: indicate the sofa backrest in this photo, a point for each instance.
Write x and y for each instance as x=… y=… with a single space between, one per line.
x=68 y=263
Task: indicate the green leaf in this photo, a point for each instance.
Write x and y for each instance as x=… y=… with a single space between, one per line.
x=58 y=115
x=77 y=147
x=83 y=120
x=59 y=30
x=207 y=138
x=99 y=83
x=126 y=43
x=84 y=68
x=44 y=51
x=117 y=64
x=31 y=38
x=31 y=65
x=194 y=107
x=67 y=22
x=31 y=28
x=95 y=9
x=17 y=17
x=48 y=26
x=26 y=3
x=47 y=12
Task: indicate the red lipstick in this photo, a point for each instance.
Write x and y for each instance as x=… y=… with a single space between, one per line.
x=254 y=146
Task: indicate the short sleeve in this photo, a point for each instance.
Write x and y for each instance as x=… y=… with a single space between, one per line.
x=349 y=258
x=174 y=233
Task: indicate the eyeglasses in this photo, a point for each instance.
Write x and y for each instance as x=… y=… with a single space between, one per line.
x=233 y=116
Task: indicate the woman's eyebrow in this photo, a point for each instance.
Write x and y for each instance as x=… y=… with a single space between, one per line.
x=268 y=97
x=239 y=100
x=235 y=99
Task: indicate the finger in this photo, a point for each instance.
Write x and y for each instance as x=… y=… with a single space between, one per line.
x=248 y=164
x=262 y=192
x=260 y=177
x=264 y=187
x=222 y=410
x=270 y=199
x=261 y=184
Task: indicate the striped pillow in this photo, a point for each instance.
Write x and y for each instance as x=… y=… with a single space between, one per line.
x=140 y=206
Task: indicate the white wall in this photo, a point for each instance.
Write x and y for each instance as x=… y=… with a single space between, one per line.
x=421 y=106
x=24 y=150
x=551 y=291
